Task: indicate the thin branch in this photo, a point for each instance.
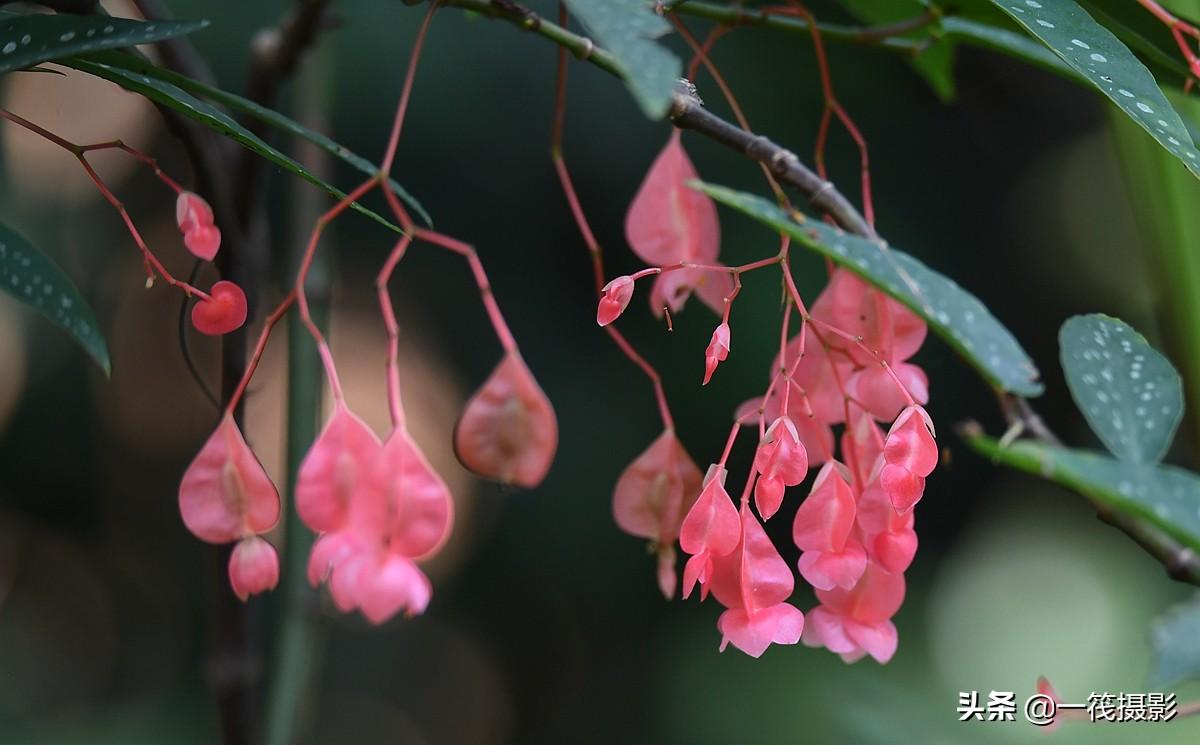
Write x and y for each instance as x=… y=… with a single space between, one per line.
x=688 y=113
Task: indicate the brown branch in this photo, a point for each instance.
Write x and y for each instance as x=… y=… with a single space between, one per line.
x=688 y=113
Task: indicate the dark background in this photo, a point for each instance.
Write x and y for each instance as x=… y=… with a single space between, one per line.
x=546 y=625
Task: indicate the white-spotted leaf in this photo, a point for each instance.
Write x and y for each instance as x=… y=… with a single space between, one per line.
x=628 y=29
x=1100 y=57
x=33 y=279
x=953 y=313
x=1130 y=394
x=26 y=40
x=1175 y=640
x=1164 y=496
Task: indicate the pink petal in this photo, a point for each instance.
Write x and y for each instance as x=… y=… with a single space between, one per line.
x=337 y=463
x=327 y=552
x=615 y=299
x=203 y=241
x=717 y=352
x=697 y=569
x=781 y=454
x=860 y=310
x=877 y=639
x=876 y=597
x=419 y=511
x=754 y=576
x=894 y=552
x=225 y=311
x=826 y=517
x=827 y=570
x=753 y=633
x=508 y=431
x=910 y=442
x=396 y=584
x=669 y=222
x=712 y=524
x=768 y=496
x=649 y=499
x=253 y=567
x=903 y=487
x=191 y=211
x=824 y=628
x=347 y=580
x=225 y=492
x=667 y=579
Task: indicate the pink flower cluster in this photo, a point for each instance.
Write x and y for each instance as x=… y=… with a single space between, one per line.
x=834 y=387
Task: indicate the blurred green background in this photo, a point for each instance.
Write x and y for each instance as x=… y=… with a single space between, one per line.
x=546 y=625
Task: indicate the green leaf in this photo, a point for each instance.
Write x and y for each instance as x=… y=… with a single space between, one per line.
x=952 y=312
x=32 y=278
x=273 y=118
x=26 y=40
x=935 y=63
x=1163 y=496
x=1005 y=41
x=1130 y=394
x=628 y=29
x=188 y=105
x=1175 y=640
x=1109 y=66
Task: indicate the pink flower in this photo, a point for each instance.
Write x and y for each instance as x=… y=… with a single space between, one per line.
x=711 y=529
x=888 y=535
x=753 y=582
x=389 y=509
x=780 y=461
x=195 y=219
x=334 y=468
x=669 y=223
x=226 y=494
x=881 y=392
x=884 y=325
x=617 y=295
x=717 y=352
x=508 y=431
x=225 y=311
x=857 y=622
x=253 y=567
x=910 y=454
x=652 y=496
x=823 y=531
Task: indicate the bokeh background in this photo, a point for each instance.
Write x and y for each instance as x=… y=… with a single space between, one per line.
x=546 y=625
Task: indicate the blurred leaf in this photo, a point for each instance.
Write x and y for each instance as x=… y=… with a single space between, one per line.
x=1164 y=496
x=628 y=29
x=1130 y=394
x=33 y=279
x=268 y=116
x=193 y=108
x=952 y=312
x=935 y=63
x=1175 y=640
x=1109 y=66
x=26 y=40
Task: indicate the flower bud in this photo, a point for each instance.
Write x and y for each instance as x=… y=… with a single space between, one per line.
x=617 y=295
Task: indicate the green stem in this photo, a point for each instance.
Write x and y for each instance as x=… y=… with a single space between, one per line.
x=299 y=644
x=300 y=638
